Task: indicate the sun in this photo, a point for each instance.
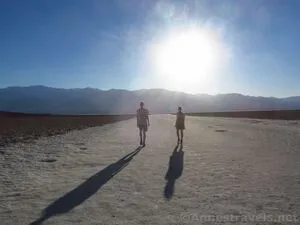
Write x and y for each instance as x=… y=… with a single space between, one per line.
x=187 y=59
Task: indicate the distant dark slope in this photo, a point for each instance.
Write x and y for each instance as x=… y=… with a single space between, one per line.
x=41 y=99
x=274 y=114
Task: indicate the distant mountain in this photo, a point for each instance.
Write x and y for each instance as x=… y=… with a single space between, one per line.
x=41 y=99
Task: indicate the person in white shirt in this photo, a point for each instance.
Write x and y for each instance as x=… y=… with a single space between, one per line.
x=143 y=123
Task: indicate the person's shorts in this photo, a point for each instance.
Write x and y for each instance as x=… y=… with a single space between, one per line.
x=143 y=127
x=180 y=126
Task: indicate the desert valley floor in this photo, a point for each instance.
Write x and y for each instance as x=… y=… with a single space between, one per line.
x=228 y=171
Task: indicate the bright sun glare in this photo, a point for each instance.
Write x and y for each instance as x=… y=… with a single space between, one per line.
x=187 y=60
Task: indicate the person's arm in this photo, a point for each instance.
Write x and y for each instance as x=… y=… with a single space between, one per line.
x=148 y=118
x=137 y=118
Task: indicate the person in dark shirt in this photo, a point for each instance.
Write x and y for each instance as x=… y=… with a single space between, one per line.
x=142 y=116
x=180 y=117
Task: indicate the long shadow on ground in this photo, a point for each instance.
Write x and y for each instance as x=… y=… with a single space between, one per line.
x=174 y=171
x=85 y=190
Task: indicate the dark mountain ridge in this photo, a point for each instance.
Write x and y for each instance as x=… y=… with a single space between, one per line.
x=41 y=99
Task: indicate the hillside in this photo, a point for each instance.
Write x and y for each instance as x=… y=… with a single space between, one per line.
x=41 y=99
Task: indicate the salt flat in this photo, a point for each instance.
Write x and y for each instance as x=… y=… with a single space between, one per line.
x=228 y=171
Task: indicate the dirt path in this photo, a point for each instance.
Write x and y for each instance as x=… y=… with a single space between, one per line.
x=228 y=171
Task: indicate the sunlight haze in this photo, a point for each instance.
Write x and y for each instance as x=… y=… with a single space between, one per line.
x=189 y=59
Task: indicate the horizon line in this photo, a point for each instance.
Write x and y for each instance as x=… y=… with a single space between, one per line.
x=148 y=89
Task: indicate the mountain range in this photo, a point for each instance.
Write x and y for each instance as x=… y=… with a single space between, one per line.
x=41 y=99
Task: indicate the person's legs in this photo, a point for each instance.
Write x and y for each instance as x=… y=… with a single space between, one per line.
x=141 y=136
x=177 y=132
x=181 y=134
x=144 y=137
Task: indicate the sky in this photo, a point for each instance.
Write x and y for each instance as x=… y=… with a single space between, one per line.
x=241 y=46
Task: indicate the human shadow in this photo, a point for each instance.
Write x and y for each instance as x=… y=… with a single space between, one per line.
x=174 y=171
x=85 y=190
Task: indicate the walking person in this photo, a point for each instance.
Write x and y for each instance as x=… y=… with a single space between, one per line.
x=180 y=117
x=143 y=123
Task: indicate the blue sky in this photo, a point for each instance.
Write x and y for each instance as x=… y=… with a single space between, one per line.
x=104 y=43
